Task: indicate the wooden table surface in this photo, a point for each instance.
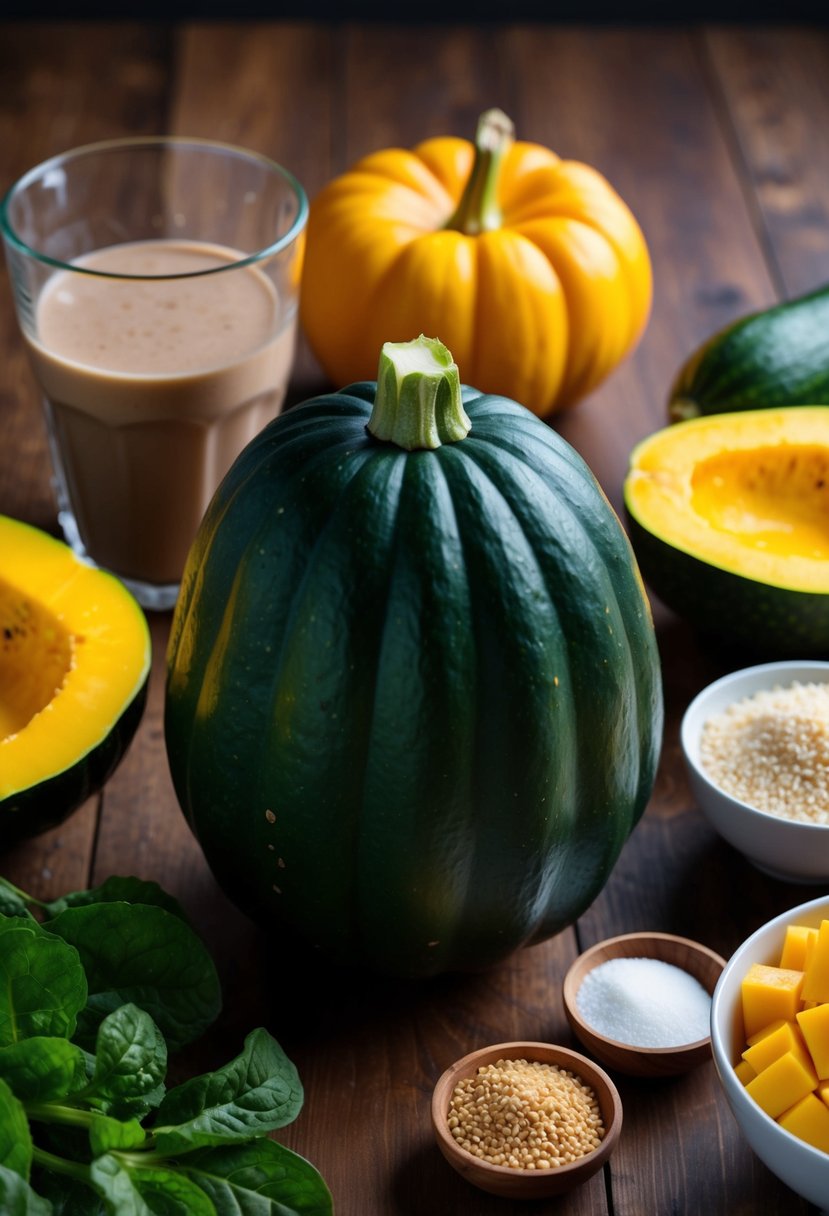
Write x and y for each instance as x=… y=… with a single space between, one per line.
x=718 y=138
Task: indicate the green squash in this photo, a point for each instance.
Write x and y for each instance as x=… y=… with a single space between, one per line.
x=777 y=357
x=413 y=704
x=75 y=658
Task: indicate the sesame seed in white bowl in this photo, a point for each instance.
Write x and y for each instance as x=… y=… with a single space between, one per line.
x=756 y=746
x=771 y=750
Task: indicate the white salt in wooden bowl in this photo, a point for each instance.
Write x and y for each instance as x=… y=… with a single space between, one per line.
x=697 y=960
x=788 y=849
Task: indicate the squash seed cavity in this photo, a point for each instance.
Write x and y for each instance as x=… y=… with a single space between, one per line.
x=774 y=498
x=36 y=656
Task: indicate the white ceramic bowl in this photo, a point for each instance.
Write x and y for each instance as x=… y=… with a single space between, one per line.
x=803 y=1168
x=784 y=848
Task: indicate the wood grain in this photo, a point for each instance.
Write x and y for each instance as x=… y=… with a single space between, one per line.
x=775 y=87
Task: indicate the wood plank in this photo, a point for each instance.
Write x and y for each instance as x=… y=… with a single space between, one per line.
x=57 y=861
x=774 y=86
x=407 y=83
x=370 y=1063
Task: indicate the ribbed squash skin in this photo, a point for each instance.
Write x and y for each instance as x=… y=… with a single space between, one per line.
x=414 y=702
x=777 y=357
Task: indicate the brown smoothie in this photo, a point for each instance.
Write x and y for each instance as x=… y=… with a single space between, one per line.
x=153 y=387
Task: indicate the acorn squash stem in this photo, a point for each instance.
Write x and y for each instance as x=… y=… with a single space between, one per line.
x=418 y=401
x=478 y=209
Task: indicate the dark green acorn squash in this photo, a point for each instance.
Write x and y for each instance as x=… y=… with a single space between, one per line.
x=74 y=664
x=414 y=704
x=777 y=357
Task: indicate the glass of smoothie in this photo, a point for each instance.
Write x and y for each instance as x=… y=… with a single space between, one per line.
x=156 y=284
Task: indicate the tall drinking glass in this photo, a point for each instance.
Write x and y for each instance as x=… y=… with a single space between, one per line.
x=156 y=285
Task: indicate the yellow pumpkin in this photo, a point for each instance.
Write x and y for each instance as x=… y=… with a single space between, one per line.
x=530 y=268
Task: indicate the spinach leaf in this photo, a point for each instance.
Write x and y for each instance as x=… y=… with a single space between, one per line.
x=130 y=1064
x=42 y=1068
x=15 y=1137
x=112 y=1182
x=118 y=889
x=43 y=989
x=169 y=1193
x=259 y=1178
x=67 y=1196
x=18 y=1199
x=139 y=954
x=255 y=1093
x=148 y=1190
x=106 y=1134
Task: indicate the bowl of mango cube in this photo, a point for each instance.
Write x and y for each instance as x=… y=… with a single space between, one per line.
x=770 y=1042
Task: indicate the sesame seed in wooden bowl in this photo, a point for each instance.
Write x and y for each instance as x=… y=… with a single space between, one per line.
x=526 y=1120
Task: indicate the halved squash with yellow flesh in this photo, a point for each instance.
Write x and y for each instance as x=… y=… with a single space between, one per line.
x=74 y=665
x=729 y=519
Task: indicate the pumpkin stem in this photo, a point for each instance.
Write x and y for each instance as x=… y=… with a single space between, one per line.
x=418 y=402
x=478 y=210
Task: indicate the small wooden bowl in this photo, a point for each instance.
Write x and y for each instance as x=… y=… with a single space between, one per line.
x=518 y=1183
x=700 y=962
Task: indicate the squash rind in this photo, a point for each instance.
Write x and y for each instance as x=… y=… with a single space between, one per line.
x=29 y=812
x=769 y=622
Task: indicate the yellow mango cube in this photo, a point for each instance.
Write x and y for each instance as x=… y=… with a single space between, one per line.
x=796 y=947
x=771 y=1047
x=782 y=1084
x=744 y=1071
x=809 y=1120
x=816 y=974
x=814 y=1026
x=770 y=994
x=761 y=1034
x=822 y=1092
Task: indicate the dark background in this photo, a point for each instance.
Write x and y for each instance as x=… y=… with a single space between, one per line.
x=599 y=11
